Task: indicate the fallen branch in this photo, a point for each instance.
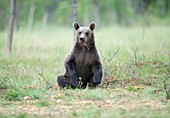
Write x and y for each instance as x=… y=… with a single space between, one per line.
x=48 y=84
x=167 y=90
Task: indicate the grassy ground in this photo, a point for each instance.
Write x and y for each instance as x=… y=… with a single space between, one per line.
x=135 y=64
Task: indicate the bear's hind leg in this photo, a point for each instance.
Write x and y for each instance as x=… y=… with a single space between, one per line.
x=93 y=85
x=62 y=81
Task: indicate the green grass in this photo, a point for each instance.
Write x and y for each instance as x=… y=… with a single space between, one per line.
x=132 y=86
x=102 y=113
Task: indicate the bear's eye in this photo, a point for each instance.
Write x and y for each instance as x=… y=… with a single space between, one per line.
x=79 y=33
x=87 y=33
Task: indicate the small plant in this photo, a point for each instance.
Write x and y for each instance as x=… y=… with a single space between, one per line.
x=18 y=94
x=42 y=104
x=4 y=83
x=14 y=95
x=167 y=90
x=48 y=85
x=93 y=94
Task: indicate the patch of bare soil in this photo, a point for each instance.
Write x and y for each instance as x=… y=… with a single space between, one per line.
x=62 y=108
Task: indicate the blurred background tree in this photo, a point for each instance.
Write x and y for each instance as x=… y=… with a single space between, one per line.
x=31 y=13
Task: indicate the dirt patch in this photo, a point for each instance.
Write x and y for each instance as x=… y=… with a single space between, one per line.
x=63 y=108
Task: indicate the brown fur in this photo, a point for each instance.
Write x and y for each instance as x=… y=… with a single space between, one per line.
x=82 y=64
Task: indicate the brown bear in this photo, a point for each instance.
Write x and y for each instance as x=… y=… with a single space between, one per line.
x=82 y=64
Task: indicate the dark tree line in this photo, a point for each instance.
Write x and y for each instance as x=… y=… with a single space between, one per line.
x=64 y=12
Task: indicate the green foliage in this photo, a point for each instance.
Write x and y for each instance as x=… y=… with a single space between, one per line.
x=18 y=116
x=142 y=112
x=14 y=94
x=18 y=94
x=43 y=104
x=86 y=114
x=60 y=12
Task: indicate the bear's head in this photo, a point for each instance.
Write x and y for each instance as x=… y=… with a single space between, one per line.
x=84 y=35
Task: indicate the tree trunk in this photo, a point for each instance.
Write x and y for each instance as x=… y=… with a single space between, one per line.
x=86 y=16
x=17 y=15
x=11 y=24
x=31 y=17
x=74 y=16
x=96 y=12
x=163 y=8
x=111 y=13
x=2 y=20
x=45 y=19
x=74 y=10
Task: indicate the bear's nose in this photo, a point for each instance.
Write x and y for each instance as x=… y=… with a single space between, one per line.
x=81 y=39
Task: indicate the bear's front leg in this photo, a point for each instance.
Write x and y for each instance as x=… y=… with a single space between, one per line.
x=71 y=72
x=97 y=71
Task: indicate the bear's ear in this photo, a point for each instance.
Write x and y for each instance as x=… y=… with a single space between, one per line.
x=76 y=26
x=92 y=26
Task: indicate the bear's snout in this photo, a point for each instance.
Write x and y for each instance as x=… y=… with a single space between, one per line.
x=81 y=39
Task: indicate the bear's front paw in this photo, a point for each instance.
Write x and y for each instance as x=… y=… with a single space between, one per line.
x=74 y=80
